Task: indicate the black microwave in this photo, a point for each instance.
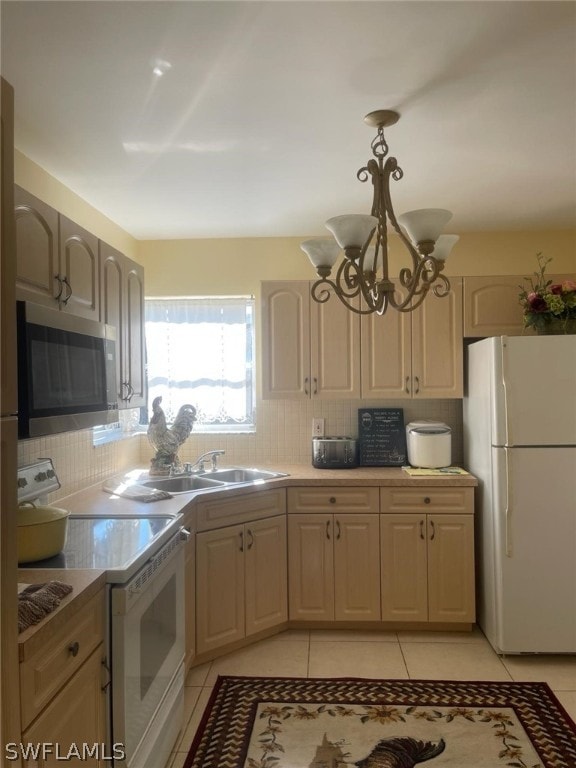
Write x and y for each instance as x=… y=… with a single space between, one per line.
x=66 y=371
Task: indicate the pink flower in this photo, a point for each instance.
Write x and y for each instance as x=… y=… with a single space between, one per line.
x=568 y=285
x=536 y=303
x=556 y=289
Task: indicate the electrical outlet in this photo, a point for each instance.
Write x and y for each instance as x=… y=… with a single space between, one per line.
x=317 y=427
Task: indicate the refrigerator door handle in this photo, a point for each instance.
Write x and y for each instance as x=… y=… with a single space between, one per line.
x=508 y=510
x=508 y=436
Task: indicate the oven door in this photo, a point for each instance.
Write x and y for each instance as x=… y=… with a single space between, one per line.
x=147 y=621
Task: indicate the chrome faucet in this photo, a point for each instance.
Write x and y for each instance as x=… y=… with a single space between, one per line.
x=198 y=465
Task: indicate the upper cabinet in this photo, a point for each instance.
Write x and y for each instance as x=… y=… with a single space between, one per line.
x=327 y=351
x=122 y=305
x=309 y=350
x=57 y=260
x=492 y=308
x=8 y=386
x=415 y=354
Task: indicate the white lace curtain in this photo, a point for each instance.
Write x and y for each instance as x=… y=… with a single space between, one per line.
x=200 y=351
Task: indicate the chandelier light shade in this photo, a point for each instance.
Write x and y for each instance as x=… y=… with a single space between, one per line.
x=364 y=241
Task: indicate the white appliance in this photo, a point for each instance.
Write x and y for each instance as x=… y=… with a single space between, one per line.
x=520 y=441
x=429 y=444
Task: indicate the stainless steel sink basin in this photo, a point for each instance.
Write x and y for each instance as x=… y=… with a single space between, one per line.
x=236 y=475
x=183 y=484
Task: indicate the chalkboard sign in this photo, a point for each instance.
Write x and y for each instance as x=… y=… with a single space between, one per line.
x=381 y=437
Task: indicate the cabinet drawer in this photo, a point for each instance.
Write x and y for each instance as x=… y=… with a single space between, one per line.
x=47 y=670
x=333 y=499
x=217 y=513
x=427 y=499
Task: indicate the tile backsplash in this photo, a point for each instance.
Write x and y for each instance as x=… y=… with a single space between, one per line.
x=283 y=436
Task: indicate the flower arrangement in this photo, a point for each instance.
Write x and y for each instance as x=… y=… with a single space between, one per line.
x=545 y=302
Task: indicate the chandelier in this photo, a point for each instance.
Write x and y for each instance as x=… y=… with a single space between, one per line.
x=364 y=240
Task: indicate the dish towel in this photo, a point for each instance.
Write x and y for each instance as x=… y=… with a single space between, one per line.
x=37 y=600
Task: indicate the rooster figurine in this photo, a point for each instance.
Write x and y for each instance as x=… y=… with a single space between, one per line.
x=167 y=440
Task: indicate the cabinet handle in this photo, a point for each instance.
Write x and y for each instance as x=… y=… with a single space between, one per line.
x=251 y=539
x=426 y=499
x=241 y=541
x=315 y=380
x=421 y=529
x=328 y=529
x=306 y=391
x=108 y=672
x=406 y=387
x=69 y=294
x=433 y=530
x=338 y=529
x=61 y=287
x=417 y=380
x=332 y=499
x=130 y=392
x=73 y=648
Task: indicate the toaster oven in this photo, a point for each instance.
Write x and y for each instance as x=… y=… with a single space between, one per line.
x=334 y=453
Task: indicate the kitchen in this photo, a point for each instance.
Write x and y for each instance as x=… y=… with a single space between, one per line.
x=283 y=436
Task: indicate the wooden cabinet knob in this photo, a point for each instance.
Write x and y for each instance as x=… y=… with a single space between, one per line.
x=332 y=499
x=73 y=648
x=426 y=499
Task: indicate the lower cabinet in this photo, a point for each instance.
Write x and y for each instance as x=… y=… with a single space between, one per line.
x=334 y=567
x=190 y=600
x=427 y=557
x=74 y=718
x=62 y=687
x=334 y=557
x=241 y=581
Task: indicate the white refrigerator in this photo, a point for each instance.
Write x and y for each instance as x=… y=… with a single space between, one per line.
x=520 y=441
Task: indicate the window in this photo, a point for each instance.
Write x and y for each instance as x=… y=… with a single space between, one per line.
x=200 y=351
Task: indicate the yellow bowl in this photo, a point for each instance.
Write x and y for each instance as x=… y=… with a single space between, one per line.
x=41 y=532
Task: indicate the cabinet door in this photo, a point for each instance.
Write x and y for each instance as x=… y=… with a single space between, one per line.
x=437 y=349
x=451 y=568
x=75 y=717
x=112 y=306
x=386 y=355
x=356 y=568
x=311 y=567
x=265 y=574
x=135 y=339
x=286 y=340
x=334 y=350
x=190 y=600
x=79 y=270
x=37 y=257
x=219 y=587
x=8 y=385
x=404 y=570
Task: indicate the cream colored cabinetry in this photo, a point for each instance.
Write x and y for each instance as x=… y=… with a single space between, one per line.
x=427 y=554
x=122 y=305
x=241 y=587
x=309 y=350
x=62 y=683
x=334 y=559
x=492 y=308
x=190 y=600
x=415 y=354
x=57 y=260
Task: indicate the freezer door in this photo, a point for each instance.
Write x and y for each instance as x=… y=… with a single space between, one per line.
x=534 y=381
x=535 y=548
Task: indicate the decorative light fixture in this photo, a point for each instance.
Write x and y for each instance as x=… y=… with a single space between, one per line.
x=364 y=240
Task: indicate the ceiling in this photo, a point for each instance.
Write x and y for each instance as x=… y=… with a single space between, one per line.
x=256 y=127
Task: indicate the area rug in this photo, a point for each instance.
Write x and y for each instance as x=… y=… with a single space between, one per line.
x=257 y=722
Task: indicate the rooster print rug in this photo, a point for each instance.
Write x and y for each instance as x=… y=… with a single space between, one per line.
x=256 y=722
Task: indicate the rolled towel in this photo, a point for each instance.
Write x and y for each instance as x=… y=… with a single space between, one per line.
x=38 y=600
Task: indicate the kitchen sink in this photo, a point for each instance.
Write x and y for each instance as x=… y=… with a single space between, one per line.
x=183 y=484
x=236 y=475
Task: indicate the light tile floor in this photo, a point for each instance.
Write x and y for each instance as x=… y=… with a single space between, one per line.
x=392 y=655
